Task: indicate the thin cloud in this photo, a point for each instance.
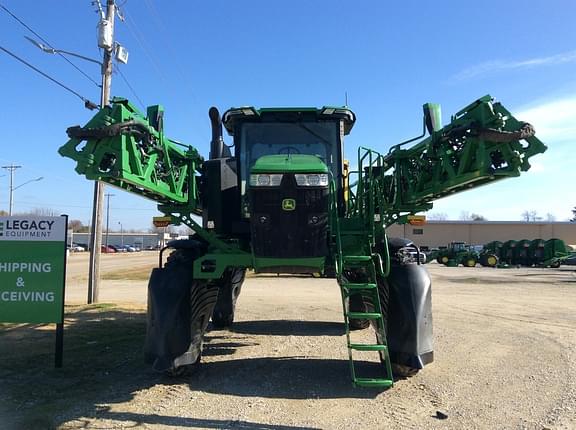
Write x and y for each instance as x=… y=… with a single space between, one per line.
x=499 y=65
x=554 y=120
x=555 y=124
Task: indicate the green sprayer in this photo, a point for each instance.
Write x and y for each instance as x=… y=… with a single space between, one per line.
x=283 y=199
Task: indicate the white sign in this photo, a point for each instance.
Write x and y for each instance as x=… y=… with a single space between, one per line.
x=32 y=228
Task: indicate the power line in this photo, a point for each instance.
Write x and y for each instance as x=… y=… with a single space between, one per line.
x=48 y=44
x=36 y=204
x=163 y=37
x=130 y=86
x=163 y=31
x=133 y=28
x=87 y=103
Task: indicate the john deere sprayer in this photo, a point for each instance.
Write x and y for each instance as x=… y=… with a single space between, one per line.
x=282 y=199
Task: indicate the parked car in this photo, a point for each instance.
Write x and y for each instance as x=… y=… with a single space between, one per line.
x=76 y=248
x=129 y=248
x=107 y=249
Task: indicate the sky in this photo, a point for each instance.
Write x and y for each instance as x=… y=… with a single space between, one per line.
x=388 y=57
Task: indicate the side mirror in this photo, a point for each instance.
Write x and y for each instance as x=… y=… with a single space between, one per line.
x=432 y=117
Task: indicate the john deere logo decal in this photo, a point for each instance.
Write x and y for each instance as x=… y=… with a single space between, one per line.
x=288 y=204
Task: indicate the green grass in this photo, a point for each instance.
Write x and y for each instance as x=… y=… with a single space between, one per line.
x=102 y=349
x=140 y=274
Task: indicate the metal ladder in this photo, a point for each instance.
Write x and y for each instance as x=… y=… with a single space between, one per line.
x=370 y=291
x=354 y=230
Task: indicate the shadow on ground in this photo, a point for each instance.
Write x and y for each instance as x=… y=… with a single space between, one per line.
x=289 y=328
x=103 y=365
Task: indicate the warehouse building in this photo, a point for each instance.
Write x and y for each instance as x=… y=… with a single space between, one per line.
x=139 y=240
x=434 y=234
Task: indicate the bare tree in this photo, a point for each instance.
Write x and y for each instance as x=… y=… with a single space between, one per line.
x=437 y=216
x=40 y=212
x=477 y=217
x=530 y=216
x=77 y=226
x=43 y=212
x=550 y=217
x=573 y=219
x=184 y=230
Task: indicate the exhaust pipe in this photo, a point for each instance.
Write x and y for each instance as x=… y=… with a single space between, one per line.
x=217 y=143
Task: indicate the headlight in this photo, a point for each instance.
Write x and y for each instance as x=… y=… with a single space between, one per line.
x=312 y=180
x=265 y=180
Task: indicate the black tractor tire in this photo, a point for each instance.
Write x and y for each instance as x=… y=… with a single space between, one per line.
x=179 y=309
x=470 y=262
x=491 y=260
x=229 y=287
x=358 y=303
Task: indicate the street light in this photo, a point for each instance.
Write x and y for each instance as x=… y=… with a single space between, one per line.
x=15 y=188
x=12 y=168
x=121 y=233
x=49 y=50
x=108 y=216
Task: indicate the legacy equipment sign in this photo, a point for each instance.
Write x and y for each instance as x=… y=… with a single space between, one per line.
x=32 y=269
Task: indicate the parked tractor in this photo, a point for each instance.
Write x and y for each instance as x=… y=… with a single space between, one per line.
x=458 y=253
x=281 y=199
x=491 y=254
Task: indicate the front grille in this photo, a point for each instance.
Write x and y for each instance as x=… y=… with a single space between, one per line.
x=298 y=233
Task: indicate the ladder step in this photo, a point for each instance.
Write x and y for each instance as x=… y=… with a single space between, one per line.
x=356 y=233
x=357 y=258
x=364 y=315
x=367 y=347
x=352 y=286
x=372 y=382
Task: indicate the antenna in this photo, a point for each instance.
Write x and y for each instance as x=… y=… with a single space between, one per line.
x=345 y=98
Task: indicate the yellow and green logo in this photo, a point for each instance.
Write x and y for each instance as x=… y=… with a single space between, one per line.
x=288 y=204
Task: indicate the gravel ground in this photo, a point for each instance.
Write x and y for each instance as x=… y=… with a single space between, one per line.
x=505 y=357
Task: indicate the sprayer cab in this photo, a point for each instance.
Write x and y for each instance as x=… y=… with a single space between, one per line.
x=284 y=163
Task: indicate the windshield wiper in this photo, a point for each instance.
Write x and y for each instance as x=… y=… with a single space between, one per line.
x=313 y=133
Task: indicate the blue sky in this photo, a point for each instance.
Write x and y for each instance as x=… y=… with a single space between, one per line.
x=390 y=57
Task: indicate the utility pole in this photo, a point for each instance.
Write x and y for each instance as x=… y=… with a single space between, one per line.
x=11 y=168
x=96 y=231
x=107 y=216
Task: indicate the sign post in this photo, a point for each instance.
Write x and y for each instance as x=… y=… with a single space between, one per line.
x=33 y=272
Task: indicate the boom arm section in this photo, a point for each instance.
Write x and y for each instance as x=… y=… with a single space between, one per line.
x=483 y=143
x=126 y=149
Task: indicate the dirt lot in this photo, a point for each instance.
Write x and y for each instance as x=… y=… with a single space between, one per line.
x=505 y=345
